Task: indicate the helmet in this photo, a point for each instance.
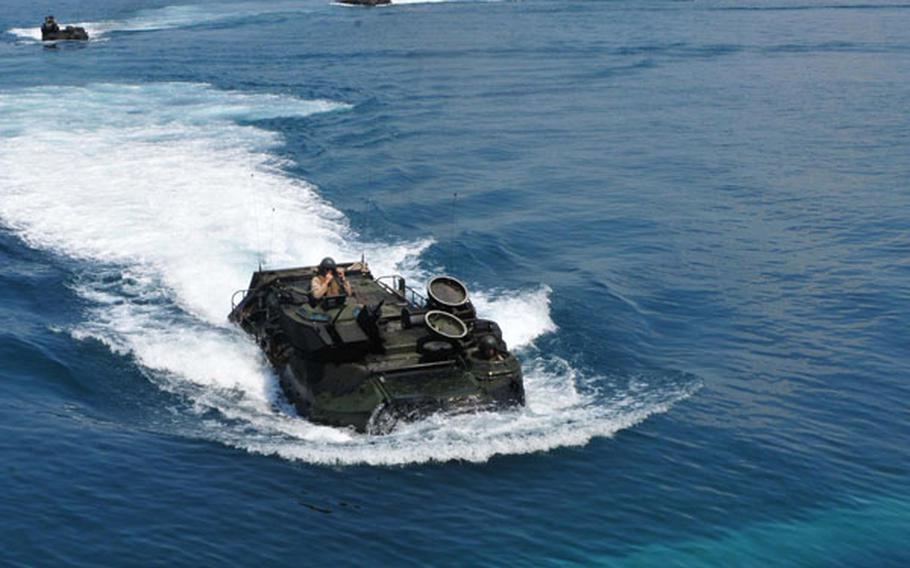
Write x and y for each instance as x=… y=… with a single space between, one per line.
x=327 y=265
x=488 y=343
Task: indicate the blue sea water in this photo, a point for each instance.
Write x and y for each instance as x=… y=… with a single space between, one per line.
x=691 y=218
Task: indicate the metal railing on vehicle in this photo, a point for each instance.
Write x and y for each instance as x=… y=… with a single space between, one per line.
x=398 y=287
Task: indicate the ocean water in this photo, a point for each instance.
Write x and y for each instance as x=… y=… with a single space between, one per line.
x=692 y=220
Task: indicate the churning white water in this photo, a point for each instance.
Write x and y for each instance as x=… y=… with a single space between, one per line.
x=179 y=16
x=171 y=199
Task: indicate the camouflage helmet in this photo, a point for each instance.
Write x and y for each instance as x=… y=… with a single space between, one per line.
x=327 y=265
x=488 y=343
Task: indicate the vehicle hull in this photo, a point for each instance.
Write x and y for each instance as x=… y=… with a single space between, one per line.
x=364 y=2
x=370 y=364
x=67 y=33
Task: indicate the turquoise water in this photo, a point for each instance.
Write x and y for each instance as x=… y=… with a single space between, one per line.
x=691 y=219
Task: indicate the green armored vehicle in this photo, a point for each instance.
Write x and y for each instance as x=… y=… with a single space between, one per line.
x=365 y=2
x=380 y=354
x=50 y=31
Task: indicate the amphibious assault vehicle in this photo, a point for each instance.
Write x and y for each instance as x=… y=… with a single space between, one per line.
x=382 y=354
x=365 y=2
x=50 y=31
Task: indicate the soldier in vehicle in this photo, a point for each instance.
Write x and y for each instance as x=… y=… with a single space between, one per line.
x=329 y=280
x=50 y=25
x=489 y=348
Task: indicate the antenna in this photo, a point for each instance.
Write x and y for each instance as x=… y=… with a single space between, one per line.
x=454 y=232
x=272 y=231
x=256 y=200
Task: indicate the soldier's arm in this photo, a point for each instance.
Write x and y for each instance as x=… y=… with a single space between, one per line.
x=344 y=281
x=318 y=287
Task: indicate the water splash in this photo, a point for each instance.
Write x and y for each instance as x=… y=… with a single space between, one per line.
x=178 y=16
x=171 y=197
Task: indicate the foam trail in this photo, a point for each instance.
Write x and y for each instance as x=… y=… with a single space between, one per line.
x=26 y=33
x=180 y=16
x=189 y=15
x=172 y=198
x=523 y=318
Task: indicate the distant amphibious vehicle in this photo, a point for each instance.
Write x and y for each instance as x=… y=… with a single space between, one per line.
x=50 y=31
x=381 y=354
x=365 y=2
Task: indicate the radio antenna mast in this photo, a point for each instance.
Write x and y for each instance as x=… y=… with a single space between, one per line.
x=257 y=199
x=454 y=232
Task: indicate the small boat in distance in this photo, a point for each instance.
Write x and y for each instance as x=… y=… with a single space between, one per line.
x=364 y=2
x=50 y=31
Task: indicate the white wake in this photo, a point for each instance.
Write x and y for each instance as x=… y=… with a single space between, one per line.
x=188 y=15
x=172 y=198
x=181 y=16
